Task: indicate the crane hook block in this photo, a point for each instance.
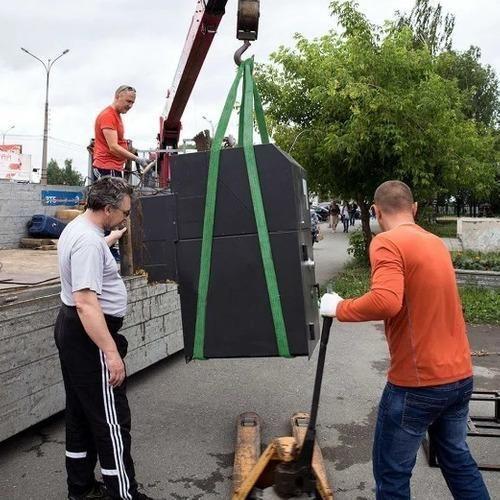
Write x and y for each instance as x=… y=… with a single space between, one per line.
x=248 y=20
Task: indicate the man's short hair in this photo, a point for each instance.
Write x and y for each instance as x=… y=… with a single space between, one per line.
x=108 y=191
x=124 y=88
x=393 y=197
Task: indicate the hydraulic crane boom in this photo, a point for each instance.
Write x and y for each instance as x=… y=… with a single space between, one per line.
x=198 y=41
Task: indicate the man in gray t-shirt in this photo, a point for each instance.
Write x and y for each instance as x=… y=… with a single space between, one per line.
x=94 y=302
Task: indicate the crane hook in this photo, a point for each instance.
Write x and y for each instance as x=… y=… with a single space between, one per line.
x=239 y=52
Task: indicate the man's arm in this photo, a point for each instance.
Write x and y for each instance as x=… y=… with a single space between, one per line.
x=114 y=236
x=385 y=298
x=92 y=318
x=111 y=137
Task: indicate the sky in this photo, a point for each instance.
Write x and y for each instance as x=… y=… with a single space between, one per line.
x=114 y=42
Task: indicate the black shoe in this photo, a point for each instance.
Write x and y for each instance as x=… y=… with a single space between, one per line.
x=98 y=492
x=142 y=496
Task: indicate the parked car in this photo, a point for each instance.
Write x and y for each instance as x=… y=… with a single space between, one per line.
x=314 y=226
x=322 y=212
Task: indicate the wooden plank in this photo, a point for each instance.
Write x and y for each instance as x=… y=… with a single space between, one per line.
x=24 y=349
x=25 y=412
x=27 y=278
x=29 y=379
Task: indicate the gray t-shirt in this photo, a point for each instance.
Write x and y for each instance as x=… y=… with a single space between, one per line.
x=86 y=262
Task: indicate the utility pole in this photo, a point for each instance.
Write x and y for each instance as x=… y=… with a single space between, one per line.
x=47 y=66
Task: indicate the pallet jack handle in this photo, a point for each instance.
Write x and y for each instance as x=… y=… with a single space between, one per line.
x=308 y=446
x=292 y=478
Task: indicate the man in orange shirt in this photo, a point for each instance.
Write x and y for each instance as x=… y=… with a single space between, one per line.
x=110 y=147
x=413 y=289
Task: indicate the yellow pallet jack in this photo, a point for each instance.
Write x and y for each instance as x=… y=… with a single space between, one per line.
x=293 y=464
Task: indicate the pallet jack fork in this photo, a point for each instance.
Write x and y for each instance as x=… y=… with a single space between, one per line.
x=293 y=464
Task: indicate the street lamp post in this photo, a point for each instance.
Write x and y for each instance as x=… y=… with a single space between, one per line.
x=211 y=125
x=47 y=66
x=5 y=132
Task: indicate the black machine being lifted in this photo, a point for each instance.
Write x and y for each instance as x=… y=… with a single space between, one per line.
x=238 y=317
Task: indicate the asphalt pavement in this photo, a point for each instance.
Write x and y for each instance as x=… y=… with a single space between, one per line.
x=184 y=417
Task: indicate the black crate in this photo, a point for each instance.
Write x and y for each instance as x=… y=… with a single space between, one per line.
x=283 y=186
x=239 y=320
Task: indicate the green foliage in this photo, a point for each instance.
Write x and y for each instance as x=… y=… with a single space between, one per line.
x=63 y=176
x=357 y=248
x=479 y=261
x=481 y=305
x=371 y=105
x=429 y=26
x=443 y=229
x=353 y=281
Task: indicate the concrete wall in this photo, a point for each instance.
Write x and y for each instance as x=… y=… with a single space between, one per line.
x=31 y=387
x=18 y=202
x=488 y=279
x=481 y=234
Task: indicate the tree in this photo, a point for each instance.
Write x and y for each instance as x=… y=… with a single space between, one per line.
x=429 y=26
x=375 y=108
x=63 y=176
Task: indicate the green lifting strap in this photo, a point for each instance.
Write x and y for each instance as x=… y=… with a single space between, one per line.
x=250 y=98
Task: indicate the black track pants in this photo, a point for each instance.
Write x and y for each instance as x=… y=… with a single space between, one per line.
x=97 y=415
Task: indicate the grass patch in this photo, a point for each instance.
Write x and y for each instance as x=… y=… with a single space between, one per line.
x=353 y=281
x=443 y=229
x=481 y=305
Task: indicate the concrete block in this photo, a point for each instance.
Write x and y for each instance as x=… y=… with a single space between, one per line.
x=480 y=234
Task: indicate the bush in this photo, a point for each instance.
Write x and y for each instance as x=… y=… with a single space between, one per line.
x=357 y=248
x=353 y=281
x=477 y=261
x=444 y=229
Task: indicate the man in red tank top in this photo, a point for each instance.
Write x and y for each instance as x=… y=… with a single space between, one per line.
x=414 y=291
x=110 y=147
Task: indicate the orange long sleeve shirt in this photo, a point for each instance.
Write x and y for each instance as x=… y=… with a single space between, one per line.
x=414 y=290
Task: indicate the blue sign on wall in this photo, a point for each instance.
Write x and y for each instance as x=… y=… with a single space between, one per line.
x=68 y=198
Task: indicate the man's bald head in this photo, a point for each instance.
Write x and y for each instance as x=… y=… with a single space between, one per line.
x=394 y=197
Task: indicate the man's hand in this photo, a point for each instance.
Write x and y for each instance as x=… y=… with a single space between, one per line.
x=116 y=368
x=142 y=162
x=329 y=304
x=114 y=236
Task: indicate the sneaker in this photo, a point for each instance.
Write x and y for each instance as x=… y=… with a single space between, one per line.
x=98 y=492
x=142 y=496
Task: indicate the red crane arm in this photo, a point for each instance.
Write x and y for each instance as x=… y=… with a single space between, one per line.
x=201 y=33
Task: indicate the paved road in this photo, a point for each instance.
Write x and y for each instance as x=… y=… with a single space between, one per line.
x=184 y=418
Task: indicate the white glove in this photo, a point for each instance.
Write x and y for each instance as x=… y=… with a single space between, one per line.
x=329 y=304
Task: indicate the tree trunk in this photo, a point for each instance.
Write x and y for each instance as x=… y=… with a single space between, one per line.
x=365 y=223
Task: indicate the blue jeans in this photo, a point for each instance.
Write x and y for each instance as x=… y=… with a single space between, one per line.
x=405 y=414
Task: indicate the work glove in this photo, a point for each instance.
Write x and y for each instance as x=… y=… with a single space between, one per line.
x=329 y=303
x=142 y=163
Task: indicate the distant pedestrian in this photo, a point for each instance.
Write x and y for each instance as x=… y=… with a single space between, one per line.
x=344 y=216
x=353 y=208
x=334 y=215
